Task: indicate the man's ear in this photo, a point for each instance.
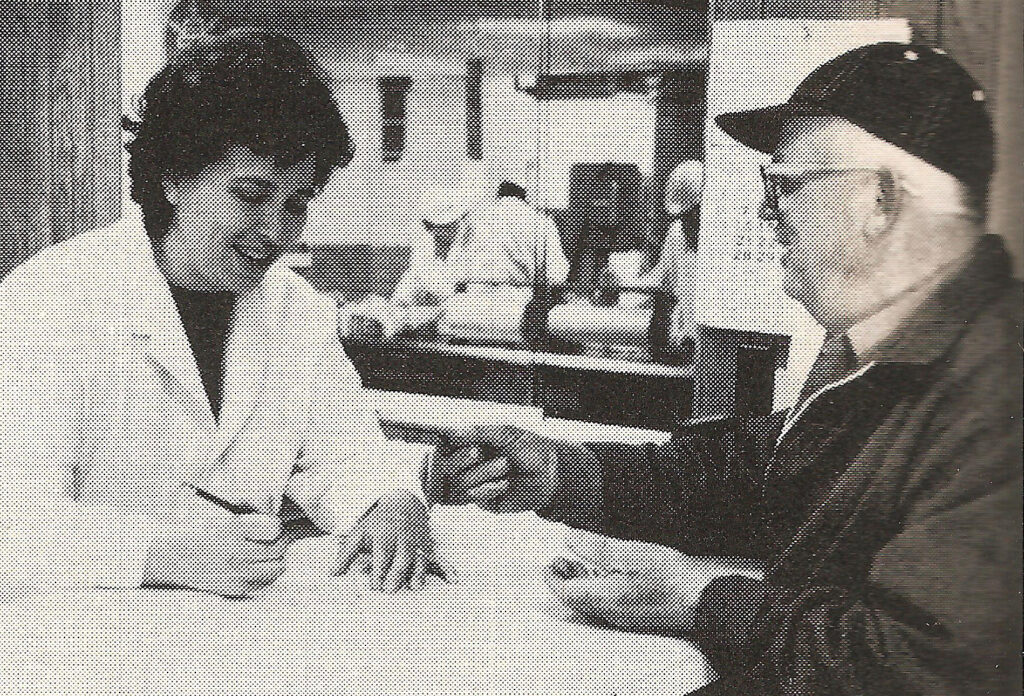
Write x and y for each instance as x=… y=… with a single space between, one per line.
x=887 y=204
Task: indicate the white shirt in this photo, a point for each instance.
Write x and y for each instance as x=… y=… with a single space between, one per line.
x=676 y=273
x=505 y=242
x=105 y=427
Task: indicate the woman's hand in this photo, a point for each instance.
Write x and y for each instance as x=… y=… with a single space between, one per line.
x=393 y=542
x=232 y=555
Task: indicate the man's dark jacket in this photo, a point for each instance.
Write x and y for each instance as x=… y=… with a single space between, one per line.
x=888 y=516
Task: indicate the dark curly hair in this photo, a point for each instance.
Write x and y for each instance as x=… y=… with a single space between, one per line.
x=245 y=88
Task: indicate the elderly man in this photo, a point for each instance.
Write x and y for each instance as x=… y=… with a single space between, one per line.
x=885 y=506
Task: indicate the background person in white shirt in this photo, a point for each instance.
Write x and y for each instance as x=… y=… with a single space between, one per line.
x=439 y=217
x=674 y=269
x=504 y=241
x=508 y=241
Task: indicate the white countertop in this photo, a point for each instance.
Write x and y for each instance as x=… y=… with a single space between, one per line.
x=496 y=631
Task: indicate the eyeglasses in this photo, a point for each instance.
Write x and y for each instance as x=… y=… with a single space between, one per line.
x=783 y=182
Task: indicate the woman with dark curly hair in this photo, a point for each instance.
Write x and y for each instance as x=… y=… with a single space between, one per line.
x=168 y=391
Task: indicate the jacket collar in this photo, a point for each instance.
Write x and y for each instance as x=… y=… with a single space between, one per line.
x=152 y=318
x=928 y=332
x=155 y=323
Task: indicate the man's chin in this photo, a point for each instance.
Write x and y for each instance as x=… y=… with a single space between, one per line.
x=797 y=290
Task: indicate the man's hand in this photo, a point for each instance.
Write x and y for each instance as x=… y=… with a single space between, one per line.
x=392 y=544
x=638 y=587
x=232 y=555
x=500 y=468
x=609 y=554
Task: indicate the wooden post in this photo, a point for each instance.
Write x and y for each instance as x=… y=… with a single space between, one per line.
x=60 y=138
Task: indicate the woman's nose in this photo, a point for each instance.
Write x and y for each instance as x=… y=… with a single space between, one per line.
x=278 y=225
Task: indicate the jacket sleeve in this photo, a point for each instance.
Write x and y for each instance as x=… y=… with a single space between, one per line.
x=940 y=613
x=346 y=463
x=48 y=537
x=700 y=492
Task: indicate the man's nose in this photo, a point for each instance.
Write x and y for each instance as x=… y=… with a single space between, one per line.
x=768 y=212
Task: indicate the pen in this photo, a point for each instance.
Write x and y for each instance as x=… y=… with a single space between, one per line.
x=233 y=508
x=434 y=565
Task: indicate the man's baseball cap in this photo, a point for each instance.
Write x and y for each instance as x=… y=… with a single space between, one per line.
x=911 y=95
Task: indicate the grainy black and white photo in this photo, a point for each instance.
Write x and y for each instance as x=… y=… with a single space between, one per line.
x=524 y=348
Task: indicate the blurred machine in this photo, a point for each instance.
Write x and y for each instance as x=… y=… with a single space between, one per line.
x=606 y=214
x=627 y=324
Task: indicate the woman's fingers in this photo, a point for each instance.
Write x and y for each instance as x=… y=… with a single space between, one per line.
x=401 y=570
x=564 y=568
x=418 y=578
x=571 y=592
x=362 y=327
x=382 y=556
x=448 y=470
x=597 y=595
x=351 y=547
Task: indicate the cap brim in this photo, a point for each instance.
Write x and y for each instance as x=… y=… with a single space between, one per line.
x=760 y=128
